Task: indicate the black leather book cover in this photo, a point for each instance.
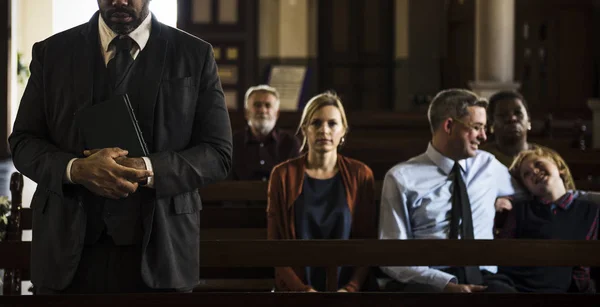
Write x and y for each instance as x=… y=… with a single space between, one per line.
x=112 y=123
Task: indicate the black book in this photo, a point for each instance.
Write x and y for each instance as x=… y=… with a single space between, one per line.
x=112 y=123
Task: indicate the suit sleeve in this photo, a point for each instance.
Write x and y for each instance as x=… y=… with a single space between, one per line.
x=366 y=223
x=285 y=277
x=208 y=157
x=33 y=152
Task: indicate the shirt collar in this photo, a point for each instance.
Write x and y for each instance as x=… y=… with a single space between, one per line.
x=563 y=202
x=251 y=138
x=444 y=163
x=140 y=35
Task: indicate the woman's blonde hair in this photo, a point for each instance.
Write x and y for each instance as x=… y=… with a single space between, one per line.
x=548 y=153
x=328 y=98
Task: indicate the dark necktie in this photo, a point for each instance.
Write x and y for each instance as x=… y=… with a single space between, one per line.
x=462 y=220
x=119 y=65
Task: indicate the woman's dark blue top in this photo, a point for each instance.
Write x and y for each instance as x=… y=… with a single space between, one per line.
x=321 y=212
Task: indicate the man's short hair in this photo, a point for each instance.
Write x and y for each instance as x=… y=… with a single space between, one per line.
x=452 y=103
x=264 y=88
x=504 y=96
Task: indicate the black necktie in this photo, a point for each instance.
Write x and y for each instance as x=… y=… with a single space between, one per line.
x=461 y=215
x=119 y=65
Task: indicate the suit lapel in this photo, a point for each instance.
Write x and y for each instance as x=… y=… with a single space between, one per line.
x=146 y=81
x=83 y=62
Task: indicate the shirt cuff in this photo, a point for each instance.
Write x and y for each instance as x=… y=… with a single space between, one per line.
x=442 y=280
x=150 y=183
x=68 y=171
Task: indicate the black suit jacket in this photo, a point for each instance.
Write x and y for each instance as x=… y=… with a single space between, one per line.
x=183 y=118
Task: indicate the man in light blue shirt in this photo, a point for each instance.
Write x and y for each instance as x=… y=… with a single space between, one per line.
x=416 y=201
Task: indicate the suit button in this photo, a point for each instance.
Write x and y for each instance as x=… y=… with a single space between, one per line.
x=262 y=162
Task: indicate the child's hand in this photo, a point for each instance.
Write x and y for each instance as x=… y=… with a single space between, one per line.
x=503 y=204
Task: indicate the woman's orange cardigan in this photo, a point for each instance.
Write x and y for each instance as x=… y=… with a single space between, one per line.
x=285 y=185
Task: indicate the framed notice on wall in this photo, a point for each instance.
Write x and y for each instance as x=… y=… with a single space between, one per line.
x=289 y=82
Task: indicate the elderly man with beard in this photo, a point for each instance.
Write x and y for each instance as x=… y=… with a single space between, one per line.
x=261 y=146
x=104 y=221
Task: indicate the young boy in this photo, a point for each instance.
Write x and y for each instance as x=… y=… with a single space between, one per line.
x=555 y=212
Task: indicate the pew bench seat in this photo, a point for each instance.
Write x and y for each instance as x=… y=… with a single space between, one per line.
x=220 y=224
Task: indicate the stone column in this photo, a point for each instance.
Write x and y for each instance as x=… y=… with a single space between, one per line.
x=594 y=105
x=293 y=28
x=268 y=29
x=283 y=28
x=494 y=47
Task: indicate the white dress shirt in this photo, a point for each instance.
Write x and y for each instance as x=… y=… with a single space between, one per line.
x=140 y=36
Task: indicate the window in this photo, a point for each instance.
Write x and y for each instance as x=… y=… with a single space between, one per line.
x=68 y=13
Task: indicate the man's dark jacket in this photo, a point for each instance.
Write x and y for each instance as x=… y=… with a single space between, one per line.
x=183 y=118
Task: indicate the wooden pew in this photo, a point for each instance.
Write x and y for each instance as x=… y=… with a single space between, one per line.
x=382 y=153
x=380 y=299
x=238 y=223
x=13 y=275
x=393 y=123
x=383 y=139
x=356 y=253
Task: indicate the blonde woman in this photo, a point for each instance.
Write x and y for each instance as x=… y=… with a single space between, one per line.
x=321 y=195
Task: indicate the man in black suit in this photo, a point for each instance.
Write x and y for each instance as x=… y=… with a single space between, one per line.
x=104 y=222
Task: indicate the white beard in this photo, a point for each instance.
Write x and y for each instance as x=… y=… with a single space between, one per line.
x=264 y=126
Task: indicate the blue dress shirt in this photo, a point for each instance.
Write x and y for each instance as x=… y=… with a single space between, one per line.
x=416 y=203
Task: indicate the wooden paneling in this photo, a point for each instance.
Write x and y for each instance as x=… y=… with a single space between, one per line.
x=458 y=61
x=356 y=45
x=553 y=55
x=231 y=27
